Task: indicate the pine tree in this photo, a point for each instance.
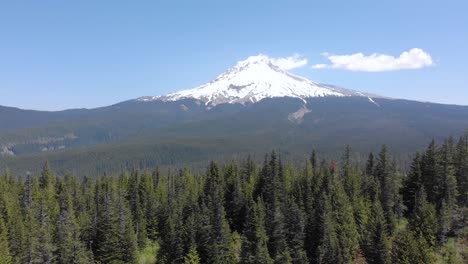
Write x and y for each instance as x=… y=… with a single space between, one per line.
x=313 y=160
x=70 y=248
x=461 y=168
x=5 y=255
x=135 y=191
x=450 y=192
x=215 y=240
x=295 y=235
x=192 y=257
x=126 y=247
x=13 y=219
x=413 y=184
x=44 y=246
x=316 y=191
x=385 y=175
x=376 y=245
x=370 y=164
x=254 y=240
x=47 y=179
x=448 y=203
x=234 y=198
x=423 y=221
x=222 y=253
x=433 y=176
x=29 y=253
x=329 y=248
x=345 y=223
x=105 y=246
x=407 y=249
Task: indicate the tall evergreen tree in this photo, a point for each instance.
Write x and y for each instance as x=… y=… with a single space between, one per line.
x=47 y=179
x=370 y=164
x=329 y=248
x=423 y=221
x=70 y=249
x=385 y=175
x=313 y=159
x=254 y=240
x=215 y=247
x=345 y=223
x=192 y=257
x=461 y=168
x=432 y=174
x=376 y=247
x=413 y=184
x=448 y=203
x=295 y=235
x=44 y=246
x=450 y=192
x=5 y=255
x=136 y=203
x=407 y=249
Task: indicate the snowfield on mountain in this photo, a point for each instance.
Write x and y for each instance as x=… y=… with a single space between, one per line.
x=254 y=79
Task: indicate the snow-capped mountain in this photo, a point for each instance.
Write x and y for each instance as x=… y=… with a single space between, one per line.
x=252 y=80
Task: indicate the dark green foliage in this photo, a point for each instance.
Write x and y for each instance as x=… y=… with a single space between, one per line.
x=325 y=212
x=413 y=184
x=5 y=255
x=431 y=170
x=192 y=257
x=376 y=240
x=461 y=169
x=255 y=240
x=388 y=182
x=408 y=249
x=329 y=245
x=70 y=248
x=423 y=221
x=148 y=134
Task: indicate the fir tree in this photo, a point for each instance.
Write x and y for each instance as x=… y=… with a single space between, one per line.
x=407 y=249
x=192 y=257
x=461 y=169
x=376 y=245
x=254 y=240
x=295 y=235
x=423 y=221
x=345 y=225
x=44 y=246
x=384 y=175
x=413 y=185
x=432 y=172
x=67 y=237
x=5 y=255
x=329 y=245
x=313 y=160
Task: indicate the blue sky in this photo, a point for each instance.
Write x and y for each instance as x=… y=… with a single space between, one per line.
x=71 y=54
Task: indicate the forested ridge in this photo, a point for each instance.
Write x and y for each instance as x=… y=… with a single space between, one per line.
x=242 y=212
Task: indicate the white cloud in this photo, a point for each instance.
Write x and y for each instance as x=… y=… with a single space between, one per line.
x=412 y=59
x=320 y=66
x=291 y=62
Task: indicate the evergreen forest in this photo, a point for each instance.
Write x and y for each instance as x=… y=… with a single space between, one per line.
x=323 y=211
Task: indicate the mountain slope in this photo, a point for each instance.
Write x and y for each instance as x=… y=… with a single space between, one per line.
x=227 y=131
x=250 y=109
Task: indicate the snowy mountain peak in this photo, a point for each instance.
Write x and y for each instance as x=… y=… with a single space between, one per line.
x=256 y=61
x=252 y=80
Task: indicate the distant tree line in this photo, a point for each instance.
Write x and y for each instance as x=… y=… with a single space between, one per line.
x=242 y=212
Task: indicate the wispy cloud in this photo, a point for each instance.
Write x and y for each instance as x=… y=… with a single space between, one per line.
x=412 y=59
x=291 y=62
